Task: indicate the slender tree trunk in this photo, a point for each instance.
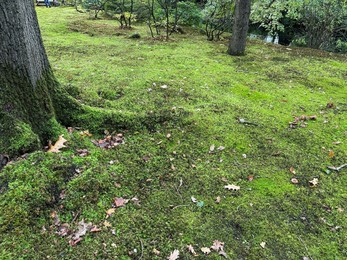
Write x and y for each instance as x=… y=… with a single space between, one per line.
x=27 y=116
x=237 y=43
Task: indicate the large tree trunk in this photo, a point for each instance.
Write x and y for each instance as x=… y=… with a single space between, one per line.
x=237 y=43
x=27 y=116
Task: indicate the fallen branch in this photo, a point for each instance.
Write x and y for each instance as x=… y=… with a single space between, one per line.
x=337 y=168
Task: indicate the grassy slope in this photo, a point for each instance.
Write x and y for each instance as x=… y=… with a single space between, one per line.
x=268 y=86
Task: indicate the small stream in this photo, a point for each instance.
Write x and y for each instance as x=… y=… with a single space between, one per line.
x=265 y=38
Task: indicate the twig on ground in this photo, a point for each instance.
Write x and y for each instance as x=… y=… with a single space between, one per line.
x=337 y=168
x=141 y=249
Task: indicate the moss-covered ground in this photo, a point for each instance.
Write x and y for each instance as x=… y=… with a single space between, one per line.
x=198 y=142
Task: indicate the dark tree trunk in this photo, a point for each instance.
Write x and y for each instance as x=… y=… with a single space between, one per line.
x=27 y=117
x=237 y=43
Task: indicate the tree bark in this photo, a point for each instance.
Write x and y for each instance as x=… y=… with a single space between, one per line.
x=237 y=43
x=27 y=117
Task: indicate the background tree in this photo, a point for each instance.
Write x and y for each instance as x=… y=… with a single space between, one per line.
x=237 y=43
x=27 y=117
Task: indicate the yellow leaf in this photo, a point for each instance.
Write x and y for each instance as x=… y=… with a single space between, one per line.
x=331 y=154
x=58 y=145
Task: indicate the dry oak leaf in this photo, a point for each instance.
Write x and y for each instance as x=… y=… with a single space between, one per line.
x=58 y=145
x=232 y=187
x=217 y=245
x=174 y=255
x=205 y=250
x=191 y=250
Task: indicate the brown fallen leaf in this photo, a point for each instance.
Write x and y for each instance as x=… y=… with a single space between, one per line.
x=232 y=187
x=174 y=255
x=120 y=202
x=59 y=144
x=250 y=177
x=217 y=245
x=191 y=250
x=205 y=250
x=63 y=230
x=74 y=242
x=95 y=229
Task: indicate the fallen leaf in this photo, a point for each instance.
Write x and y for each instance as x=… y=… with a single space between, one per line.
x=331 y=154
x=212 y=148
x=163 y=86
x=232 y=187
x=194 y=200
x=168 y=136
x=330 y=105
x=174 y=255
x=205 y=250
x=217 y=245
x=109 y=141
x=63 y=230
x=83 y=227
x=250 y=177
x=263 y=244
x=55 y=217
x=74 y=242
x=222 y=253
x=292 y=170
x=244 y=156
x=85 y=133
x=218 y=200
x=156 y=252
x=58 y=145
x=337 y=143
x=294 y=180
x=95 y=229
x=340 y=210
x=313 y=183
x=191 y=250
x=220 y=148
x=107 y=224
x=120 y=202
x=82 y=152
x=136 y=201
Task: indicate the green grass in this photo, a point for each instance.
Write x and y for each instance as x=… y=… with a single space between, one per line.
x=207 y=92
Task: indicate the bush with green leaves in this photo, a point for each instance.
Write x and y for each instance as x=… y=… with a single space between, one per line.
x=217 y=18
x=320 y=22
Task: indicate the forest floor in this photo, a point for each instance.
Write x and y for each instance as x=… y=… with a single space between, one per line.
x=236 y=161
